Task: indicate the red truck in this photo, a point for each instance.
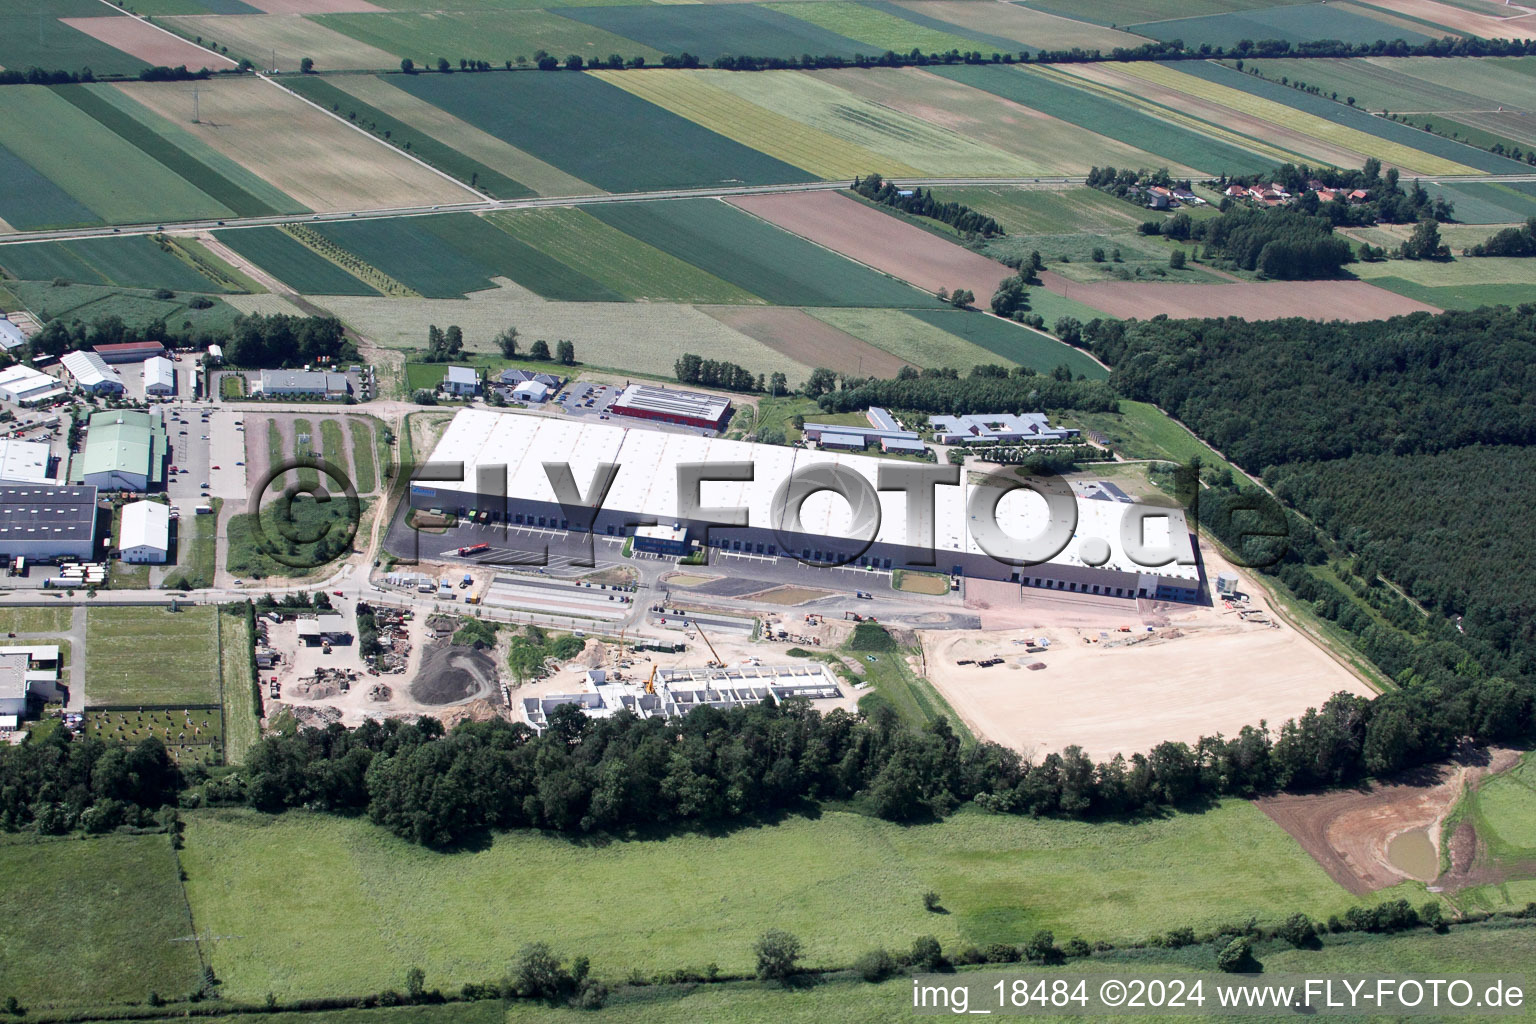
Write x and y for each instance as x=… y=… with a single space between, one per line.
x=473 y=549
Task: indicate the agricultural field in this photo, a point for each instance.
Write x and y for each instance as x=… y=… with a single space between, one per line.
x=624 y=265
x=1503 y=811
x=1133 y=12
x=32 y=619
x=282 y=41
x=38 y=36
x=292 y=262
x=1123 y=256
x=1045 y=140
x=191 y=735
x=115 y=941
x=1464 y=283
x=835 y=882
x=324 y=163
x=32 y=201
x=906 y=337
x=709 y=31
x=610 y=138
x=242 y=712
x=1330 y=122
x=1180 y=147
x=642 y=337
x=882 y=27
x=1253 y=300
x=151 y=655
x=446 y=256
x=68 y=146
x=404 y=136
x=364 y=464
x=91 y=302
x=1033 y=30
x=1489 y=202
x=1488 y=19
x=461 y=136
x=1296 y=23
x=135 y=261
x=150 y=44
x=811 y=342
x=780 y=267
x=820 y=153
x=484 y=35
x=1014 y=343
x=1048 y=210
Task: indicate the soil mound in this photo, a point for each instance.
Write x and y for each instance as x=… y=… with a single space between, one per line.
x=450 y=674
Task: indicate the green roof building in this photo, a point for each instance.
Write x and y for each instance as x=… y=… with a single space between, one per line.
x=125 y=450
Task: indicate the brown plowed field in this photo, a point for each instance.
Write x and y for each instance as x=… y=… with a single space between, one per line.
x=1251 y=300
x=1348 y=832
x=878 y=240
x=317 y=7
x=152 y=45
x=807 y=340
x=1519 y=26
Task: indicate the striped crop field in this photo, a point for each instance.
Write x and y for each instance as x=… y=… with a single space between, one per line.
x=881 y=29
x=709 y=30
x=690 y=95
x=293 y=263
x=907 y=337
x=282 y=41
x=1295 y=23
x=481 y=35
x=1048 y=211
x=133 y=261
x=816 y=101
x=1027 y=29
x=627 y=265
x=1133 y=12
x=1289 y=117
x=30 y=200
x=70 y=148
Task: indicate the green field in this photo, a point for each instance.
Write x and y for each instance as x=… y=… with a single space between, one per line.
x=293 y=263
x=1141 y=431
x=1463 y=283
x=1489 y=202
x=242 y=712
x=1015 y=343
x=1379 y=87
x=1050 y=92
x=248 y=196
x=711 y=30
x=1131 y=12
x=881 y=28
x=269 y=553
x=906 y=336
x=196 y=562
x=151 y=656
x=1504 y=811
x=137 y=307
x=625 y=265
x=45 y=619
x=31 y=36
x=191 y=735
x=607 y=137
x=842 y=883
x=418 y=143
x=364 y=476
x=135 y=261
x=756 y=256
x=69 y=147
x=481 y=35
x=112 y=939
x=30 y=201
x=1047 y=211
x=1298 y=23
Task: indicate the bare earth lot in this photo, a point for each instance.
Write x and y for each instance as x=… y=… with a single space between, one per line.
x=807 y=340
x=152 y=45
x=1519 y=26
x=878 y=240
x=1252 y=300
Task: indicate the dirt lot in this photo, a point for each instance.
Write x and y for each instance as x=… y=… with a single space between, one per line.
x=1252 y=300
x=152 y=45
x=880 y=241
x=1520 y=26
x=324 y=163
x=1348 y=832
x=453 y=675
x=807 y=340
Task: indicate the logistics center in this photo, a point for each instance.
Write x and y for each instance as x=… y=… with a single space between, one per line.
x=496 y=464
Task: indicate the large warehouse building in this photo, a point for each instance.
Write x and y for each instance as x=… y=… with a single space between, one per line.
x=26 y=386
x=669 y=405
x=92 y=374
x=24 y=461
x=125 y=450
x=502 y=457
x=43 y=521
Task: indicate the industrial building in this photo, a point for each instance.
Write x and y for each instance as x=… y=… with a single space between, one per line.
x=48 y=521
x=668 y=405
x=92 y=374
x=24 y=461
x=125 y=450
x=882 y=430
x=29 y=677
x=144 y=533
x=496 y=464
x=12 y=337
x=997 y=427
x=159 y=376
x=536 y=392
x=304 y=384
x=514 y=377
x=675 y=692
x=129 y=351
x=26 y=386
x=463 y=381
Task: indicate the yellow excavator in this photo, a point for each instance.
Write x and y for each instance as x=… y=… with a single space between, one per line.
x=650 y=681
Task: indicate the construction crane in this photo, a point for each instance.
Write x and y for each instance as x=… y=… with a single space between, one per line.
x=650 y=681
x=717 y=663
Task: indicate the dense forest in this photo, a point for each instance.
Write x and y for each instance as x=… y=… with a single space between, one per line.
x=1518 y=241
x=253 y=340
x=984 y=389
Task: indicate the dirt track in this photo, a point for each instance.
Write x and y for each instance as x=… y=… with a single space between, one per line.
x=1251 y=300
x=1348 y=832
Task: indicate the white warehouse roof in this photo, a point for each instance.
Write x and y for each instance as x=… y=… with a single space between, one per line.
x=159 y=371
x=647 y=483
x=11 y=336
x=89 y=369
x=23 y=460
x=145 y=524
x=23 y=384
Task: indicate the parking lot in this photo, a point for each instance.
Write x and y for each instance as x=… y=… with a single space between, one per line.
x=583 y=398
x=208 y=453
